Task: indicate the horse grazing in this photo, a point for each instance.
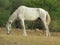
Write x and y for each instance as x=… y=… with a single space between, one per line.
x=27 y=13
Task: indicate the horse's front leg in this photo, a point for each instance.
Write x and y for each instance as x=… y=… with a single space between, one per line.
x=24 y=30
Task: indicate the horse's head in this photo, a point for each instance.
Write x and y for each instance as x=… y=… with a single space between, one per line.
x=8 y=26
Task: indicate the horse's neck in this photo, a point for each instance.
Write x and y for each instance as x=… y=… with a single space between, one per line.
x=13 y=16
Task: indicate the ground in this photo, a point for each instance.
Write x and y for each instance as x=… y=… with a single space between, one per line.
x=34 y=38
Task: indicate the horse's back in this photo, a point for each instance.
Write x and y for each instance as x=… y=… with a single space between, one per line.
x=32 y=13
x=29 y=13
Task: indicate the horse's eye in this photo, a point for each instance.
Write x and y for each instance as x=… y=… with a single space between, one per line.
x=9 y=22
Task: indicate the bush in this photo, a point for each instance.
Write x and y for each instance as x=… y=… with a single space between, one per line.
x=4 y=14
x=4 y=3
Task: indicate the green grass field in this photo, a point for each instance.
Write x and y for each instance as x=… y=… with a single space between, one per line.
x=33 y=38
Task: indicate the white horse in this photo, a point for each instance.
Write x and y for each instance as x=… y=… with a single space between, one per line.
x=28 y=13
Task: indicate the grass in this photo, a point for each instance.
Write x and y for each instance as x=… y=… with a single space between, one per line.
x=33 y=38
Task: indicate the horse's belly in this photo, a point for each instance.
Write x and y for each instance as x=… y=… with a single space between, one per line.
x=31 y=17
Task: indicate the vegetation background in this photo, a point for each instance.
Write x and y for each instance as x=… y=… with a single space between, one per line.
x=7 y=7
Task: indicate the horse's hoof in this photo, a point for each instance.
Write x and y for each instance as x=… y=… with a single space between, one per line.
x=25 y=35
x=8 y=33
x=48 y=35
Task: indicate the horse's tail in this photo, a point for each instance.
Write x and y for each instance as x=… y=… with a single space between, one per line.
x=48 y=19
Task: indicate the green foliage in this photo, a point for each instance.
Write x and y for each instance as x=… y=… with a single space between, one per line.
x=4 y=3
x=4 y=14
x=7 y=7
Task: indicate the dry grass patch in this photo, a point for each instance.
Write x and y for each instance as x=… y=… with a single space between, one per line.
x=33 y=38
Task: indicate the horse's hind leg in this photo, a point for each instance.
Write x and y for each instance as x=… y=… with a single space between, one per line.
x=24 y=30
x=47 y=29
x=45 y=25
